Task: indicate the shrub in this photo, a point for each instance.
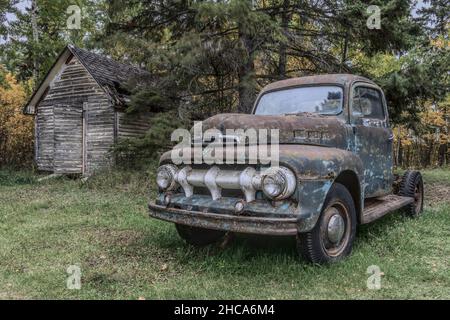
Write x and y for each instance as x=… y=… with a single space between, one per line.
x=9 y=177
x=16 y=129
x=136 y=152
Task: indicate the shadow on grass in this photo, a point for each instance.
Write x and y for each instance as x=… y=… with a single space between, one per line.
x=157 y=245
x=165 y=243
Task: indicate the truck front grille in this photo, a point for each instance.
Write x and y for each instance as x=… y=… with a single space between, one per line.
x=220 y=182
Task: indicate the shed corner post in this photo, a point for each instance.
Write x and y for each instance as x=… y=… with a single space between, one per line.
x=84 y=167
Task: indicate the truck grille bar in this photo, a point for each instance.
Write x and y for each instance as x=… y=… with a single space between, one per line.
x=215 y=179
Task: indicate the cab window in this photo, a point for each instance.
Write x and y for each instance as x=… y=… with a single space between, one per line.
x=367 y=103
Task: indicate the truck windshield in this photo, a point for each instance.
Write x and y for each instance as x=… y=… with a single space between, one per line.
x=319 y=99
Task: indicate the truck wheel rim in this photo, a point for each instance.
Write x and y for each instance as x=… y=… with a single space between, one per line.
x=335 y=229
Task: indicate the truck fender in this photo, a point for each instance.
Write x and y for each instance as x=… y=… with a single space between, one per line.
x=317 y=168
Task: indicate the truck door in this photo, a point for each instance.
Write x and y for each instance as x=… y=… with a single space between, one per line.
x=373 y=138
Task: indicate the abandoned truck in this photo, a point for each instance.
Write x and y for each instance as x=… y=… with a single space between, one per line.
x=335 y=171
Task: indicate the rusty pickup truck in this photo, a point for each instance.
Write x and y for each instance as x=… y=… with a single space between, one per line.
x=334 y=172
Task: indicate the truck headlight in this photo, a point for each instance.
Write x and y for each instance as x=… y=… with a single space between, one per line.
x=278 y=183
x=165 y=177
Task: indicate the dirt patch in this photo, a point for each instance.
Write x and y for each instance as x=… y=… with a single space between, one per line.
x=436 y=193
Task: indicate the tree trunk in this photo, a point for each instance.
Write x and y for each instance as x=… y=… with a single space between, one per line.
x=344 y=52
x=443 y=147
x=34 y=27
x=400 y=155
x=246 y=73
x=441 y=155
x=428 y=154
x=282 y=60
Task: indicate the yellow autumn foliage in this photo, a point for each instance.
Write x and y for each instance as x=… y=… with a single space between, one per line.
x=430 y=136
x=16 y=129
x=432 y=126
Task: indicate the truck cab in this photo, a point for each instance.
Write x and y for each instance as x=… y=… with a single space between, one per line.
x=333 y=170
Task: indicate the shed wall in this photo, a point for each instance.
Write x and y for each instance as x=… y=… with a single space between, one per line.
x=44 y=137
x=68 y=139
x=132 y=125
x=72 y=89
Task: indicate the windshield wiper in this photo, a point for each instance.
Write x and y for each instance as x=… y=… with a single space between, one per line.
x=303 y=113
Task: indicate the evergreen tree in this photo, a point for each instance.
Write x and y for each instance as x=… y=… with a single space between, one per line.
x=39 y=33
x=213 y=56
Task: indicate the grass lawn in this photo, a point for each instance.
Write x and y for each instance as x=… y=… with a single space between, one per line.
x=102 y=226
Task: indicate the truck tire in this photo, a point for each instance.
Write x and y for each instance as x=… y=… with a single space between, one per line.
x=332 y=237
x=198 y=237
x=412 y=186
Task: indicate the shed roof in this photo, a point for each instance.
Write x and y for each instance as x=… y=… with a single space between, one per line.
x=110 y=75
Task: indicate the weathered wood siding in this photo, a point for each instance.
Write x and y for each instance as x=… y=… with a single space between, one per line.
x=132 y=125
x=44 y=137
x=59 y=139
x=68 y=153
x=99 y=132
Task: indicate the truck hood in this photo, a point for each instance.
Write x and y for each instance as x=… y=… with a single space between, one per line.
x=304 y=128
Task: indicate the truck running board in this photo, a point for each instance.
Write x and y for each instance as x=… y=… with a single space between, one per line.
x=375 y=208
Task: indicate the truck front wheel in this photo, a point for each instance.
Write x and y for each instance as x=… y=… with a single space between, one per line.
x=198 y=236
x=332 y=237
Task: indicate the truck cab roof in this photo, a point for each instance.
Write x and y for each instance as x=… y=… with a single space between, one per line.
x=340 y=79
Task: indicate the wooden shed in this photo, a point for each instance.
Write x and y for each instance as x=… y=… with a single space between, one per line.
x=79 y=111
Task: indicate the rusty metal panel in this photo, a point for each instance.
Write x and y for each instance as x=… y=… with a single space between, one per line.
x=255 y=225
x=317 y=148
x=257 y=208
x=377 y=207
x=312 y=129
x=340 y=79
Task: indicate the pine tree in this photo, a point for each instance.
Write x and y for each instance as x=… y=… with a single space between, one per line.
x=38 y=34
x=214 y=55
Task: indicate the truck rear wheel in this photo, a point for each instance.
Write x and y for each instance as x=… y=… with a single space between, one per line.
x=332 y=237
x=198 y=236
x=412 y=186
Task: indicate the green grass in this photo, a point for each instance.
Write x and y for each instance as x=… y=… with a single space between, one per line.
x=102 y=226
x=436 y=175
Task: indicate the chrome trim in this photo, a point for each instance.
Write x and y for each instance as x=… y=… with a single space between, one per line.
x=210 y=180
x=183 y=181
x=249 y=181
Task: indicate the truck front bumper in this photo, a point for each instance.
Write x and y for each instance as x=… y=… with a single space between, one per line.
x=280 y=226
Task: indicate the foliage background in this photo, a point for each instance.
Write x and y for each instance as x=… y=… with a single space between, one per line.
x=214 y=56
x=210 y=57
x=16 y=129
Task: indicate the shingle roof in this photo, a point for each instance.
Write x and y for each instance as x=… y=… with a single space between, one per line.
x=109 y=74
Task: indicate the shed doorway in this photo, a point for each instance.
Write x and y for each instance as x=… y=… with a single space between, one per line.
x=69 y=138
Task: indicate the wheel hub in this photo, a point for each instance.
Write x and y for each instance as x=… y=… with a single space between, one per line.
x=336 y=228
